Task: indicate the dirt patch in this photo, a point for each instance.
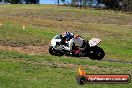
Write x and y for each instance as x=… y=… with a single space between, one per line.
x=33 y=50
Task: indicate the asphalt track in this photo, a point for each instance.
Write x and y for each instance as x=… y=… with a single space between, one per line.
x=111 y=60
x=119 y=61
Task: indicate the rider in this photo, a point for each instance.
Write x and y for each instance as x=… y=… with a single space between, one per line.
x=75 y=44
x=66 y=37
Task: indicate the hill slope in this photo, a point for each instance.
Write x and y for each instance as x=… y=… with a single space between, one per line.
x=34 y=67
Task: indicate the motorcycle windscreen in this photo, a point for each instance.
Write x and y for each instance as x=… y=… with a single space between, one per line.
x=94 y=42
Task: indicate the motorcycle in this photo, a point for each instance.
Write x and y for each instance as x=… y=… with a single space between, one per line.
x=88 y=49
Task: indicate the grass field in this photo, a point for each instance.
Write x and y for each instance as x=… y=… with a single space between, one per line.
x=24 y=58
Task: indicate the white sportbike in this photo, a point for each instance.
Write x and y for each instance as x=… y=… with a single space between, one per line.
x=88 y=49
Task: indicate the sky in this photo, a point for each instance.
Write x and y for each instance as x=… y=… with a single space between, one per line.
x=48 y=1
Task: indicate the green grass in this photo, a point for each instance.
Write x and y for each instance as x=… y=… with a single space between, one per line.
x=116 y=40
x=19 y=70
x=14 y=35
x=22 y=71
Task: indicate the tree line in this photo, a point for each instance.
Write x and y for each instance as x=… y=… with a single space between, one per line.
x=21 y=1
x=124 y=5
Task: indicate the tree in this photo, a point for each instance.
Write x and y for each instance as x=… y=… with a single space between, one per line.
x=129 y=3
x=110 y=4
x=124 y=5
x=32 y=1
x=84 y=3
x=21 y=1
x=63 y=1
x=58 y=1
x=74 y=3
x=13 y=1
x=2 y=1
x=80 y=3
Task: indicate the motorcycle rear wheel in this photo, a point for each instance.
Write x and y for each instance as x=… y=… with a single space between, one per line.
x=96 y=53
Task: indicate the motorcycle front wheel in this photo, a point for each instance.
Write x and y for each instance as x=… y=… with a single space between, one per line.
x=52 y=51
